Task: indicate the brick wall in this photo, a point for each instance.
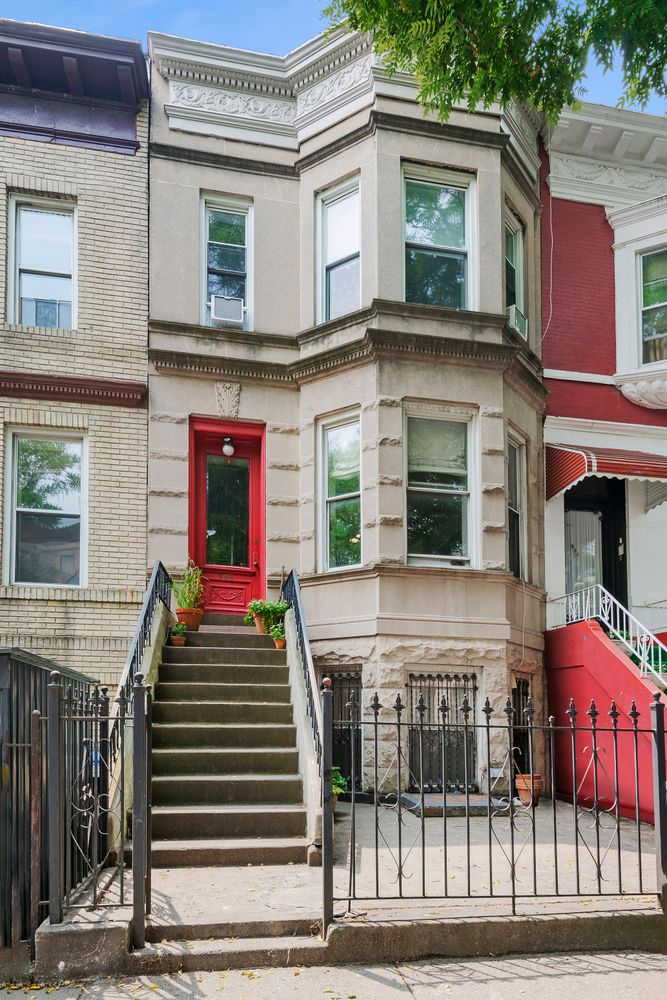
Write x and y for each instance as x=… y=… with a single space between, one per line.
x=577 y=286
x=89 y=627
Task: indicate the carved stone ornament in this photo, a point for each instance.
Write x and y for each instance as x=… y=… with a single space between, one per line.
x=647 y=389
x=357 y=73
x=579 y=168
x=231 y=104
x=228 y=399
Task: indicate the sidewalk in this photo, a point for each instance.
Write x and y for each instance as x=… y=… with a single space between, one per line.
x=634 y=976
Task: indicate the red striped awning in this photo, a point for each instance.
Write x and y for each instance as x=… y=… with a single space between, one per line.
x=567 y=465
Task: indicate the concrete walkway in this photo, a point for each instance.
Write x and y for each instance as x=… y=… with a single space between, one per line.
x=634 y=976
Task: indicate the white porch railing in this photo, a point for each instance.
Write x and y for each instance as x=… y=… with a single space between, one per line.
x=647 y=651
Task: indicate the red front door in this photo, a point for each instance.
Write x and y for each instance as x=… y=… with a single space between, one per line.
x=226 y=520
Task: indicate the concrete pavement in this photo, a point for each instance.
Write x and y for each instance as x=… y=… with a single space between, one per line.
x=632 y=975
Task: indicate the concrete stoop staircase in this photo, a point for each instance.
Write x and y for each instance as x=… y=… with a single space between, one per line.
x=226 y=785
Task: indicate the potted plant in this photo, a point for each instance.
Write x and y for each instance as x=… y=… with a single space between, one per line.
x=177 y=634
x=189 y=597
x=277 y=633
x=528 y=786
x=273 y=613
x=338 y=784
x=254 y=614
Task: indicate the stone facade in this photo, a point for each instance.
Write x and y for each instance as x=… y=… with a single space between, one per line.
x=87 y=381
x=275 y=134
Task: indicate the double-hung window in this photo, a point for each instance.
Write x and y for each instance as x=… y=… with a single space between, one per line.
x=437 y=227
x=340 y=252
x=514 y=287
x=46 y=509
x=341 y=469
x=654 y=306
x=515 y=519
x=227 y=230
x=438 y=490
x=43 y=265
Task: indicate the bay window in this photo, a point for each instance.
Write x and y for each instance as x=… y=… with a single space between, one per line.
x=340 y=253
x=438 y=490
x=341 y=467
x=42 y=273
x=654 y=306
x=46 y=510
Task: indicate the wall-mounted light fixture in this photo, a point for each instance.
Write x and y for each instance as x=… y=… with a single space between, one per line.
x=227 y=447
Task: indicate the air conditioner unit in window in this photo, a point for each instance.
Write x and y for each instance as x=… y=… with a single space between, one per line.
x=226 y=310
x=517 y=321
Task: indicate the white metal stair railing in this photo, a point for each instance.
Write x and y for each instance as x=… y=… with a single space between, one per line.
x=649 y=653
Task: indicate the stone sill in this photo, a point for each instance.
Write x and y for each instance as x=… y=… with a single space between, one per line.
x=374 y=570
x=99 y=595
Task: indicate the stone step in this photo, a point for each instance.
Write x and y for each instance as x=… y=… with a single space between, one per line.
x=185 y=822
x=280 y=925
x=244 y=953
x=217 y=761
x=225 y=654
x=222 y=673
x=250 y=712
x=211 y=691
x=228 y=851
x=228 y=736
x=213 y=618
x=221 y=640
x=239 y=789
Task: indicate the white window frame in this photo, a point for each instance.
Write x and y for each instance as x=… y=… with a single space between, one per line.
x=449 y=414
x=16 y=202
x=517 y=229
x=9 y=533
x=238 y=206
x=325 y=198
x=467 y=183
x=326 y=424
x=513 y=440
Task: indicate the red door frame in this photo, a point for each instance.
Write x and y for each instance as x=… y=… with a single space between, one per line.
x=244 y=434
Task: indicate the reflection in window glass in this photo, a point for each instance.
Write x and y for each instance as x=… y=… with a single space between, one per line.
x=435 y=248
x=45 y=256
x=227 y=511
x=341 y=240
x=654 y=306
x=226 y=254
x=438 y=489
x=343 y=495
x=47 y=511
x=514 y=504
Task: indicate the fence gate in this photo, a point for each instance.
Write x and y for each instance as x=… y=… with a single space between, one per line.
x=454 y=688
x=343 y=685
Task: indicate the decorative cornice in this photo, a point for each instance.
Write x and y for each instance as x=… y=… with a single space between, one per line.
x=105 y=392
x=232 y=104
x=580 y=178
x=356 y=77
x=645 y=388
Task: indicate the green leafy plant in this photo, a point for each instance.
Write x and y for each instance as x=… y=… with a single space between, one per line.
x=271 y=613
x=254 y=608
x=179 y=629
x=277 y=631
x=189 y=590
x=338 y=782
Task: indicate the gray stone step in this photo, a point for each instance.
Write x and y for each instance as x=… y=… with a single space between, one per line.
x=217 y=761
x=222 y=673
x=244 y=953
x=210 y=691
x=216 y=735
x=223 y=640
x=225 y=654
x=238 y=789
x=199 y=822
x=227 y=851
x=212 y=618
x=250 y=713
x=279 y=925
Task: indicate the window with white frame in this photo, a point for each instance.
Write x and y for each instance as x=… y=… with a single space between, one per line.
x=227 y=255
x=438 y=490
x=42 y=264
x=515 y=506
x=654 y=306
x=341 y=509
x=46 y=509
x=340 y=252
x=437 y=239
x=514 y=283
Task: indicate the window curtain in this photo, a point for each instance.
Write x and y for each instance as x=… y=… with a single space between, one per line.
x=583 y=549
x=436 y=446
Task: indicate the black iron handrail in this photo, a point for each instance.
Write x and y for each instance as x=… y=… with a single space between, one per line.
x=291 y=593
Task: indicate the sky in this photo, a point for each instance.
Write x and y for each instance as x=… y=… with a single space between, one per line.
x=263 y=25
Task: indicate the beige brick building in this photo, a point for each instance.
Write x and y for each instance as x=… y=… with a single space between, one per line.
x=73 y=308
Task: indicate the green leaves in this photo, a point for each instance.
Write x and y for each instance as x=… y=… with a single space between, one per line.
x=532 y=51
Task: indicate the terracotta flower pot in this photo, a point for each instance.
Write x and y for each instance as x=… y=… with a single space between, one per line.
x=526 y=784
x=259 y=624
x=191 y=618
x=280 y=643
x=334 y=800
x=176 y=640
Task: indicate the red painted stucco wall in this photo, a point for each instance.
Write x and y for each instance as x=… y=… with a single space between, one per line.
x=583 y=664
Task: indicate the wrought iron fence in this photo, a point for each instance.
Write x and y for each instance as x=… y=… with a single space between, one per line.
x=506 y=843
x=424 y=697
x=343 y=685
x=24 y=680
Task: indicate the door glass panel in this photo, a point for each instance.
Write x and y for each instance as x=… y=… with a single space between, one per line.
x=583 y=549
x=227 y=511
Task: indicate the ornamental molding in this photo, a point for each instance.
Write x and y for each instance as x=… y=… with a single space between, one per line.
x=228 y=399
x=231 y=104
x=357 y=77
x=583 y=179
x=74 y=389
x=647 y=389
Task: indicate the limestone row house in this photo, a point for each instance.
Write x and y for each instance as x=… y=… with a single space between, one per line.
x=344 y=370
x=73 y=337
